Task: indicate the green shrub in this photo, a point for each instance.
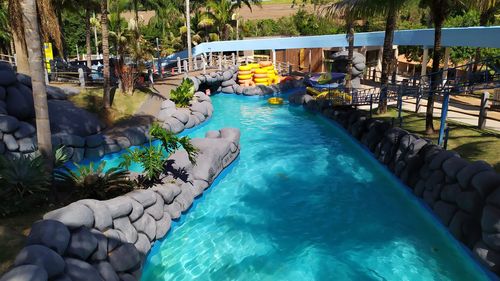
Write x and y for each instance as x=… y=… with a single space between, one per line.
x=154 y=158
x=183 y=94
x=24 y=181
x=92 y=182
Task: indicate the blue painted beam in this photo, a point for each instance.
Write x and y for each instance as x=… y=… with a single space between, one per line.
x=484 y=37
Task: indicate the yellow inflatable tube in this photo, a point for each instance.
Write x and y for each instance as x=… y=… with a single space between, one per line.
x=275 y=101
x=244 y=68
x=245 y=77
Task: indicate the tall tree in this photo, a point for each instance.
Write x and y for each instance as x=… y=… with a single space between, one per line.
x=34 y=44
x=440 y=10
x=487 y=10
x=105 y=54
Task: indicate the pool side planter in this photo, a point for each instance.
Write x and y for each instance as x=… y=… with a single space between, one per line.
x=92 y=240
x=464 y=196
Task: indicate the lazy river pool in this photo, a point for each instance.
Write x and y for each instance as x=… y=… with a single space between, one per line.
x=303 y=202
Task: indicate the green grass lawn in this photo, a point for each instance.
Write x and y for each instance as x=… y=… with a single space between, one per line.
x=471 y=143
x=123 y=106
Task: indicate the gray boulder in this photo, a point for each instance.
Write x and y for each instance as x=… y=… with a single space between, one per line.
x=147 y=225
x=67 y=118
x=175 y=125
x=199 y=116
x=167 y=104
x=24 y=130
x=10 y=142
x=8 y=124
x=17 y=105
x=24 y=79
x=137 y=210
x=70 y=140
x=119 y=206
x=125 y=226
x=56 y=93
x=182 y=115
x=3 y=93
x=227 y=75
x=79 y=270
x=167 y=191
x=27 y=145
x=127 y=277
x=173 y=209
x=25 y=272
x=144 y=196
x=94 y=140
x=228 y=83
x=73 y=216
x=200 y=107
x=82 y=244
x=143 y=244
x=135 y=136
x=50 y=233
x=106 y=271
x=7 y=77
x=42 y=257
x=163 y=225
x=101 y=251
x=124 y=257
x=95 y=152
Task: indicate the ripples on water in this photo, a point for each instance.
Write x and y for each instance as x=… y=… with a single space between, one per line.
x=303 y=202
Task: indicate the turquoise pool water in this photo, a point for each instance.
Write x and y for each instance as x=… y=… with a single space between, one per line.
x=303 y=202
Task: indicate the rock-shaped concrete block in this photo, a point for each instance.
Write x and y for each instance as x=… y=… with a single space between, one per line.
x=173 y=209
x=106 y=271
x=465 y=175
x=74 y=215
x=143 y=244
x=163 y=225
x=82 y=244
x=94 y=140
x=486 y=182
x=102 y=216
x=147 y=225
x=175 y=125
x=182 y=114
x=124 y=257
x=156 y=210
x=27 y=145
x=24 y=130
x=125 y=226
x=71 y=140
x=168 y=191
x=50 y=233
x=101 y=251
x=94 y=152
x=145 y=197
x=25 y=273
x=119 y=206
x=43 y=257
x=79 y=270
x=10 y=142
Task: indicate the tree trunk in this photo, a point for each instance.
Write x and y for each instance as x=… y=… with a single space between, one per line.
x=88 y=35
x=483 y=21
x=436 y=75
x=105 y=54
x=37 y=66
x=387 y=58
x=21 y=54
x=350 y=55
x=188 y=25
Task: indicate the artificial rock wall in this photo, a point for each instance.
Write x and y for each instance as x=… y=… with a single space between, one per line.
x=92 y=240
x=465 y=196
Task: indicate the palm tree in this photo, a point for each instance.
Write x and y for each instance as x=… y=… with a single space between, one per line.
x=487 y=10
x=350 y=13
x=105 y=54
x=90 y=7
x=34 y=44
x=49 y=28
x=440 y=10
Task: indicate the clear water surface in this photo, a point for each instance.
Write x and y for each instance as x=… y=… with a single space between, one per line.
x=303 y=202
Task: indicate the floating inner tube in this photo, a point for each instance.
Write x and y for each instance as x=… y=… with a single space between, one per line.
x=275 y=100
x=244 y=68
x=265 y=63
x=260 y=71
x=245 y=77
x=261 y=80
x=244 y=72
x=259 y=75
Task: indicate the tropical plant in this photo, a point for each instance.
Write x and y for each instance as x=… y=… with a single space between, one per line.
x=153 y=159
x=24 y=180
x=183 y=94
x=93 y=182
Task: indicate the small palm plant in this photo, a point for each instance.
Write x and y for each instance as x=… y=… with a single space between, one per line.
x=93 y=182
x=153 y=158
x=183 y=94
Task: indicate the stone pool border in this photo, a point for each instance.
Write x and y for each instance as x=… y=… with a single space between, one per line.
x=109 y=240
x=464 y=196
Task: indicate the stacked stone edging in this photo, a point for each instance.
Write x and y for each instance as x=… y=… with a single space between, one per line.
x=465 y=196
x=225 y=81
x=108 y=240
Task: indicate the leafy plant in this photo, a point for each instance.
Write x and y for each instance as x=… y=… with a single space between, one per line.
x=93 y=182
x=24 y=180
x=154 y=158
x=183 y=94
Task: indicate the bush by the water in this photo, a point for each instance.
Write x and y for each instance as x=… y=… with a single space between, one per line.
x=183 y=94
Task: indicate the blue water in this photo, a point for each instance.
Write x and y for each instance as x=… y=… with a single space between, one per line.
x=303 y=202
